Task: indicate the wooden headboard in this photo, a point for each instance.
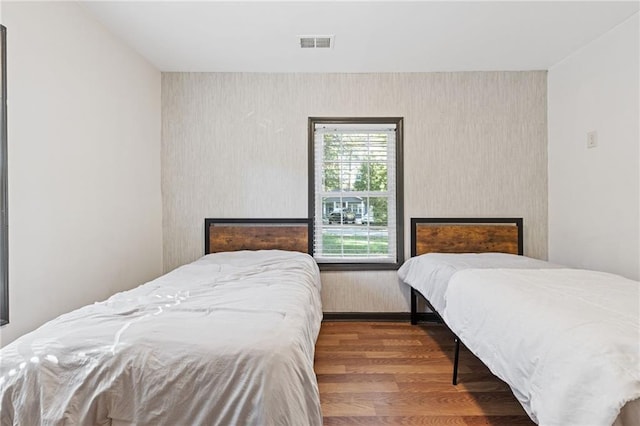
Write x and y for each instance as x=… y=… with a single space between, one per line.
x=256 y=234
x=464 y=235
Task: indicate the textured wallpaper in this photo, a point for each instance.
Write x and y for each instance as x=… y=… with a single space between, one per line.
x=235 y=145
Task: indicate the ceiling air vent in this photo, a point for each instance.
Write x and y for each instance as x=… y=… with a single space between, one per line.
x=316 y=42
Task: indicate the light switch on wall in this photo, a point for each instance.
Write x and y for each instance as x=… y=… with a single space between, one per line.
x=592 y=139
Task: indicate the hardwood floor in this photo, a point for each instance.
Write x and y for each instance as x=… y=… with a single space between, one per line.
x=382 y=373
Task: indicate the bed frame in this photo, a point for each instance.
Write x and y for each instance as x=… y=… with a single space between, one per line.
x=256 y=234
x=461 y=235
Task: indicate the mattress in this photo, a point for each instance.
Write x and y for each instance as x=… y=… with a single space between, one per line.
x=567 y=341
x=227 y=339
x=430 y=273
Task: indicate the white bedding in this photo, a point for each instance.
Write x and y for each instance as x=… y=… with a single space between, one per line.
x=228 y=339
x=566 y=341
x=430 y=273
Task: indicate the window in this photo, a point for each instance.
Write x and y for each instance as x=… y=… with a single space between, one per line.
x=355 y=192
x=4 y=224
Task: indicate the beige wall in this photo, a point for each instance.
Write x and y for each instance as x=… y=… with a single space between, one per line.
x=235 y=145
x=84 y=163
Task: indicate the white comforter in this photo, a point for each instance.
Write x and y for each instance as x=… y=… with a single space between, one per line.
x=430 y=273
x=226 y=340
x=566 y=341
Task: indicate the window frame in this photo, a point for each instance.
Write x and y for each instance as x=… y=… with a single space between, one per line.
x=368 y=265
x=4 y=219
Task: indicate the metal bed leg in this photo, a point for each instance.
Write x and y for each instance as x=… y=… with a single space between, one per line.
x=455 y=362
x=414 y=307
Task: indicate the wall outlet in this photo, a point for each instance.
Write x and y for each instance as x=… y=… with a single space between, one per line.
x=592 y=139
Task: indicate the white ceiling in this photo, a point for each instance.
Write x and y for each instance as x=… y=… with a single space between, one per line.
x=370 y=36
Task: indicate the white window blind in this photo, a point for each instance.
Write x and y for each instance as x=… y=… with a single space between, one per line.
x=355 y=213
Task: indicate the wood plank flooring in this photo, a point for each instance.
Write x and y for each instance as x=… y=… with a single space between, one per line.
x=386 y=373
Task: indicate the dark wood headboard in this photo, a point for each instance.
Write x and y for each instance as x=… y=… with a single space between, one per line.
x=466 y=235
x=256 y=234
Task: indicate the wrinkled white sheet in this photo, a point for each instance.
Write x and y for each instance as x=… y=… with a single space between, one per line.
x=430 y=273
x=566 y=341
x=226 y=340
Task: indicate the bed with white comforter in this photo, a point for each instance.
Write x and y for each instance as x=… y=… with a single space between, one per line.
x=226 y=340
x=567 y=341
